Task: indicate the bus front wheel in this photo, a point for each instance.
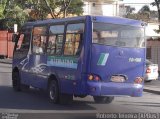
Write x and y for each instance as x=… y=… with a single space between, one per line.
x=53 y=91
x=103 y=99
x=16 y=83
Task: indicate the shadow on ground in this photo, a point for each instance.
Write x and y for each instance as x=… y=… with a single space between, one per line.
x=35 y=100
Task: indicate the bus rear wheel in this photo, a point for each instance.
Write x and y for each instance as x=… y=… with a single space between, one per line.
x=16 y=83
x=103 y=99
x=53 y=91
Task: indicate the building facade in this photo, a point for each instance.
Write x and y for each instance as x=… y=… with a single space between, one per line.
x=101 y=7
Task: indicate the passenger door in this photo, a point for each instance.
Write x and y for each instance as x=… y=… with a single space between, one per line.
x=21 y=54
x=38 y=61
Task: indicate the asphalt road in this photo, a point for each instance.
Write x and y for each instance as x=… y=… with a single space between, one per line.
x=34 y=103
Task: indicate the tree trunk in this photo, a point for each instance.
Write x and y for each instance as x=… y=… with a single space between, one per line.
x=50 y=9
x=65 y=13
x=66 y=5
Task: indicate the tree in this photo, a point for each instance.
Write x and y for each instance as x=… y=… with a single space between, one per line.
x=157 y=4
x=20 y=11
x=10 y=14
x=18 y=15
x=129 y=9
x=145 y=8
x=3 y=7
x=129 y=12
x=62 y=8
x=143 y=14
x=40 y=9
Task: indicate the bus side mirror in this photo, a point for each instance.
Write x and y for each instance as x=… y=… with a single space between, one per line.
x=14 y=38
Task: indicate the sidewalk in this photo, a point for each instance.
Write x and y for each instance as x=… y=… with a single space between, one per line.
x=6 y=61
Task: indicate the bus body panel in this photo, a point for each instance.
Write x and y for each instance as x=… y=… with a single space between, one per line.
x=114 y=89
x=38 y=70
x=68 y=71
x=108 y=60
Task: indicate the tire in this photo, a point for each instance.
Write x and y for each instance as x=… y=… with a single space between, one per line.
x=55 y=96
x=16 y=82
x=53 y=91
x=105 y=99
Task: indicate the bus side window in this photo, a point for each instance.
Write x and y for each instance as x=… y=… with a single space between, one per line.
x=39 y=40
x=55 y=41
x=79 y=45
x=73 y=42
x=51 y=45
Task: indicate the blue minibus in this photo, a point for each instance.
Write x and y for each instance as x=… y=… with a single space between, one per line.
x=98 y=56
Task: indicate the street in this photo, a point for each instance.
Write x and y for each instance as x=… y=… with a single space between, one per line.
x=36 y=101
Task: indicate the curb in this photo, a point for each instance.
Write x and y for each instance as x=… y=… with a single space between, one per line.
x=5 y=62
x=151 y=91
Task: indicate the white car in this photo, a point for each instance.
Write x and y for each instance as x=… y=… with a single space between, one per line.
x=151 y=71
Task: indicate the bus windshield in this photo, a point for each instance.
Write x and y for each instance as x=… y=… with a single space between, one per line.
x=118 y=35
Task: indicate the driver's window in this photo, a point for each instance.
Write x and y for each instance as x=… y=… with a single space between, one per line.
x=23 y=42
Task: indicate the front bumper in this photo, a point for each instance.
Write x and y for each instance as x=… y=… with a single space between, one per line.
x=114 y=89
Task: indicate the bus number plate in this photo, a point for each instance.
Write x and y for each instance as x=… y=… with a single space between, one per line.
x=117 y=79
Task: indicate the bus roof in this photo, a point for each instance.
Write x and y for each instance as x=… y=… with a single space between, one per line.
x=105 y=19
x=118 y=20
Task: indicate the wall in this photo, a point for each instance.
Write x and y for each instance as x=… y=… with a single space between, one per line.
x=155 y=51
x=6 y=44
x=98 y=7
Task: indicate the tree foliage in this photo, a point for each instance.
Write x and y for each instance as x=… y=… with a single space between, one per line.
x=63 y=8
x=24 y=10
x=11 y=13
x=145 y=8
x=129 y=9
x=3 y=7
x=157 y=4
x=143 y=14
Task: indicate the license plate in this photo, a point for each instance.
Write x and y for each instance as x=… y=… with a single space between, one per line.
x=117 y=79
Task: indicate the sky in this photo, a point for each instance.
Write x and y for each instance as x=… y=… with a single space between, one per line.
x=138 y=4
